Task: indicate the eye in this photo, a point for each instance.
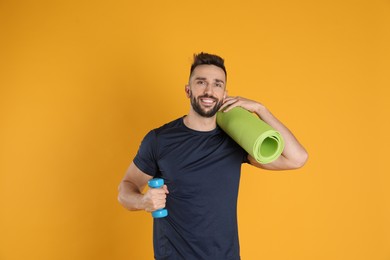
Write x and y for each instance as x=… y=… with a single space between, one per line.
x=200 y=82
x=218 y=84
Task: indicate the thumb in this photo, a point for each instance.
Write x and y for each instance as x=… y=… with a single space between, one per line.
x=165 y=188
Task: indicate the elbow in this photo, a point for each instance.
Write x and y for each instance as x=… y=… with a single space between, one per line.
x=121 y=197
x=300 y=160
x=128 y=200
x=122 y=202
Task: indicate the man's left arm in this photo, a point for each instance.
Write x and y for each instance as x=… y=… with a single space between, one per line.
x=294 y=155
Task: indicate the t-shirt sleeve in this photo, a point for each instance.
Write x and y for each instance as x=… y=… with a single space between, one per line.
x=146 y=158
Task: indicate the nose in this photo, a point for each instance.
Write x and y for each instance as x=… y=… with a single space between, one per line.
x=208 y=89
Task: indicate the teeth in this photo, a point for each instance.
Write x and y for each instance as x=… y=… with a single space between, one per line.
x=207 y=100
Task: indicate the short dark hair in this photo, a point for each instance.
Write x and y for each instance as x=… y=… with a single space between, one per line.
x=207 y=59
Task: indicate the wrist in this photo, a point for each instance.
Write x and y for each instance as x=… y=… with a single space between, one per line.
x=261 y=110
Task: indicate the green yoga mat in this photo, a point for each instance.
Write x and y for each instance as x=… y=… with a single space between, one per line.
x=255 y=136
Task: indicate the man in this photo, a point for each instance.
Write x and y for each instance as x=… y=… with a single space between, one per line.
x=201 y=167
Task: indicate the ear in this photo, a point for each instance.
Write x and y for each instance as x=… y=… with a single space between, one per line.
x=187 y=90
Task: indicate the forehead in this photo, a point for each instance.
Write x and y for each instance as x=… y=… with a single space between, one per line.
x=210 y=72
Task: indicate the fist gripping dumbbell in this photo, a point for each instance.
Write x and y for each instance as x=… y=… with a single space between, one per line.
x=155 y=184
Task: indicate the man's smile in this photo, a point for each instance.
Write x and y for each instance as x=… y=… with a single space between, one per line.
x=208 y=101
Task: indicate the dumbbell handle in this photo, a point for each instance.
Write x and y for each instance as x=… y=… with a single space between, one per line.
x=157 y=183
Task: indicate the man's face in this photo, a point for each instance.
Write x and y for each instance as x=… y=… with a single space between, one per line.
x=206 y=89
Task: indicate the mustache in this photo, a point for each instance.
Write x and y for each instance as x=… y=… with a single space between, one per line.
x=208 y=96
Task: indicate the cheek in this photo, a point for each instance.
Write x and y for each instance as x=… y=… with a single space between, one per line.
x=221 y=94
x=194 y=92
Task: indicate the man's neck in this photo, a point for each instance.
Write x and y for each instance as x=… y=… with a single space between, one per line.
x=199 y=123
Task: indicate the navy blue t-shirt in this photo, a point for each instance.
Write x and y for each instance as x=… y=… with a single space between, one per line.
x=202 y=172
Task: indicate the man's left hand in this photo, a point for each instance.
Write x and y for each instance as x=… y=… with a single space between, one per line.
x=231 y=102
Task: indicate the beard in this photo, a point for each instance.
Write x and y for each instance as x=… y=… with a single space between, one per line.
x=195 y=103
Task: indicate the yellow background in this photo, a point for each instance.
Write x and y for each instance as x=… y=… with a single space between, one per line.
x=81 y=83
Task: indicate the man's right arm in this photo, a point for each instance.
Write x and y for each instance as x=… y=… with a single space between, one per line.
x=130 y=191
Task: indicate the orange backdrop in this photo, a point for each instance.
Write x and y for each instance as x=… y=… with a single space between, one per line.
x=81 y=83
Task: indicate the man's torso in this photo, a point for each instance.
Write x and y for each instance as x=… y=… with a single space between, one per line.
x=202 y=172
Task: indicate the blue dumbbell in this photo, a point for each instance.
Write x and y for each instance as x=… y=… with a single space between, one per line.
x=157 y=183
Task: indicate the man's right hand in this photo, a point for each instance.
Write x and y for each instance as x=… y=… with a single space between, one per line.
x=155 y=199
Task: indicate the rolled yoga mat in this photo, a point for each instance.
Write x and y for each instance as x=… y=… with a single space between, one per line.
x=259 y=139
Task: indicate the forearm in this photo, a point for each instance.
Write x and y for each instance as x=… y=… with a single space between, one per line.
x=130 y=196
x=294 y=152
x=293 y=156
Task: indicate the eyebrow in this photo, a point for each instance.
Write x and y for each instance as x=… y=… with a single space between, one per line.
x=203 y=78
x=200 y=78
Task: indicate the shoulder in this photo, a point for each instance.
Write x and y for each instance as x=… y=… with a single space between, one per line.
x=169 y=127
x=163 y=132
x=152 y=134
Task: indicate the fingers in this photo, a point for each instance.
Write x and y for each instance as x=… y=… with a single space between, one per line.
x=232 y=102
x=155 y=198
x=229 y=103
